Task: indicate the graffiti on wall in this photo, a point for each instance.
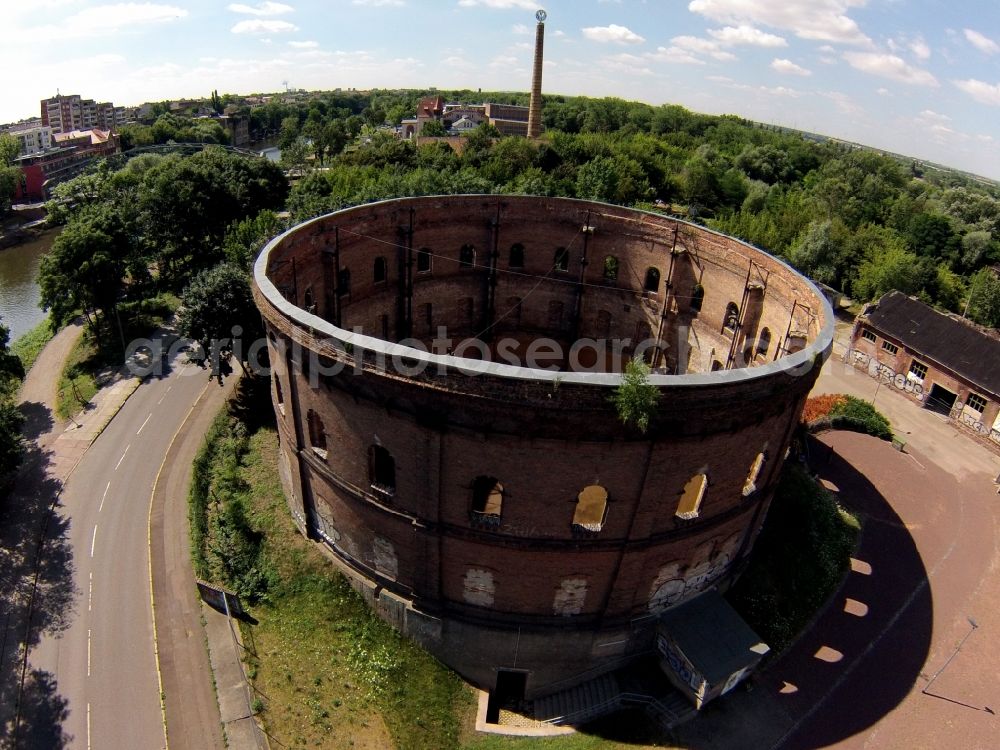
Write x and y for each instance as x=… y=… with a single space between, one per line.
x=884 y=373
x=672 y=584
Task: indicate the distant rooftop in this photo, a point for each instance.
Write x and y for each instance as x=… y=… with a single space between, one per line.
x=952 y=342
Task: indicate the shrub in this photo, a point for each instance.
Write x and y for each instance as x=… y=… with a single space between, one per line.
x=860 y=416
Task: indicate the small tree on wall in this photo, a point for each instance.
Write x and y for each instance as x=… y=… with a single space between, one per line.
x=635 y=399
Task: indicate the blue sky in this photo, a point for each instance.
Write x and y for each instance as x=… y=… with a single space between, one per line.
x=916 y=77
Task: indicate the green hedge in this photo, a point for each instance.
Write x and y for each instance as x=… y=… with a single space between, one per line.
x=860 y=416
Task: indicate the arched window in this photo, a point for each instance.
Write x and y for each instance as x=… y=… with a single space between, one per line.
x=716 y=365
x=344 y=281
x=732 y=318
x=423 y=260
x=278 y=395
x=610 y=268
x=561 y=259
x=750 y=485
x=764 y=342
x=591 y=507
x=516 y=255
x=382 y=470
x=310 y=305
x=694 y=492
x=317 y=434
x=381 y=271
x=487 y=497
x=697 y=297
x=652 y=283
x=467 y=256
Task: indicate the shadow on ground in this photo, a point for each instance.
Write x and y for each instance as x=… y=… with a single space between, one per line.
x=861 y=657
x=37 y=595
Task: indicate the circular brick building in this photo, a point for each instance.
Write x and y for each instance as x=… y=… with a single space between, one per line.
x=443 y=369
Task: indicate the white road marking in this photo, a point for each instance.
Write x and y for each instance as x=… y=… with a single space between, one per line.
x=93 y=541
x=90 y=594
x=144 y=423
x=103 y=497
x=88 y=652
x=123 y=456
x=164 y=394
x=88 y=726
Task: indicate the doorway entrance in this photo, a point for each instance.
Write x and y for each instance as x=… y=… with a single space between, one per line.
x=508 y=694
x=940 y=400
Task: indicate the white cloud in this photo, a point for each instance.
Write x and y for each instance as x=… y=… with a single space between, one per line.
x=613 y=33
x=380 y=3
x=504 y=61
x=843 y=102
x=787 y=67
x=266 y=8
x=733 y=35
x=106 y=19
x=626 y=63
x=932 y=116
x=919 y=48
x=982 y=42
x=890 y=66
x=702 y=46
x=674 y=55
x=303 y=45
x=883 y=91
x=520 y=29
x=501 y=4
x=985 y=93
x=258 y=26
x=824 y=20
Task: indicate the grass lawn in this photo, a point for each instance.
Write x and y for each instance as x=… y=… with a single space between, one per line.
x=28 y=346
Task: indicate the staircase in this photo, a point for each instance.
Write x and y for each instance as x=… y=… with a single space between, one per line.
x=630 y=687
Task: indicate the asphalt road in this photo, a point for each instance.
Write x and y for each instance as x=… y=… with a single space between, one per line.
x=103 y=661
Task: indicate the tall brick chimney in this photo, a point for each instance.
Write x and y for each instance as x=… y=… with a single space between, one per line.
x=535 y=106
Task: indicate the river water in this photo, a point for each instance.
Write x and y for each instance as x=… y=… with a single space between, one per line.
x=19 y=293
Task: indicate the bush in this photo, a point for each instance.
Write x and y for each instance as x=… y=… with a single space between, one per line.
x=860 y=416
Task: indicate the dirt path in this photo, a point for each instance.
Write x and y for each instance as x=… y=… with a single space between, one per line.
x=37 y=396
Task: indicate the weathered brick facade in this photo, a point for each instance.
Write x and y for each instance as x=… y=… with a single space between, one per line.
x=386 y=461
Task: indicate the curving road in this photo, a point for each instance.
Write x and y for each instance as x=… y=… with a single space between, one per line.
x=103 y=660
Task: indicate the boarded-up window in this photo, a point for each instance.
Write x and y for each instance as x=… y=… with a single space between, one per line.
x=694 y=493
x=750 y=486
x=381 y=271
x=467 y=256
x=516 y=255
x=591 y=505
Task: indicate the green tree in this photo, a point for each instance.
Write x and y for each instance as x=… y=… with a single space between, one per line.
x=433 y=129
x=244 y=239
x=86 y=267
x=636 y=399
x=819 y=251
x=9 y=174
x=11 y=369
x=984 y=298
x=289 y=132
x=890 y=268
x=218 y=312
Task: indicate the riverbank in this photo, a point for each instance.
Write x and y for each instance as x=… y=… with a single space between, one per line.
x=19 y=291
